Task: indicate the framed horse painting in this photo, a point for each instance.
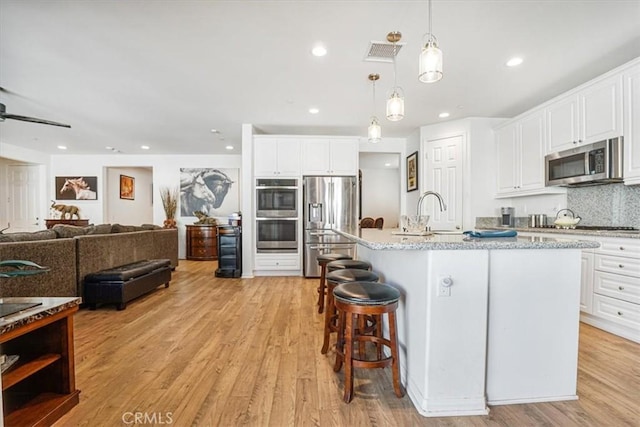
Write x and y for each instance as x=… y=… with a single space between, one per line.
x=127 y=187
x=76 y=187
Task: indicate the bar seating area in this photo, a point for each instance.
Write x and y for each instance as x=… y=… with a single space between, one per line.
x=354 y=304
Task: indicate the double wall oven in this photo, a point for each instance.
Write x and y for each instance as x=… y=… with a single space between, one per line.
x=277 y=215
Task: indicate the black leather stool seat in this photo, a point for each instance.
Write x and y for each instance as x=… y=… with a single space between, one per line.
x=325 y=258
x=366 y=293
x=348 y=263
x=347 y=275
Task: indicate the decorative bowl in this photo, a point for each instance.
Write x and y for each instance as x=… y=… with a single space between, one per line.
x=414 y=223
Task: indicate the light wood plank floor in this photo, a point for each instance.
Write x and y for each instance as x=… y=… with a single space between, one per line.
x=227 y=352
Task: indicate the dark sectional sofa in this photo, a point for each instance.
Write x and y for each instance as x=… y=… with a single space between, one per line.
x=73 y=252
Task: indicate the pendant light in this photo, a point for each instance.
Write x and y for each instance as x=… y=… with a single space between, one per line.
x=430 y=57
x=374 y=131
x=395 y=102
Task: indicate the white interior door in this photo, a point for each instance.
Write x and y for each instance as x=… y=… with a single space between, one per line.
x=443 y=174
x=24 y=194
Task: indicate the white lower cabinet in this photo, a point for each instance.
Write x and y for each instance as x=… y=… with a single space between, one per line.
x=277 y=262
x=586 y=281
x=616 y=288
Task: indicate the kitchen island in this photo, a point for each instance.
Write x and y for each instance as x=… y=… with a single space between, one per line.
x=483 y=321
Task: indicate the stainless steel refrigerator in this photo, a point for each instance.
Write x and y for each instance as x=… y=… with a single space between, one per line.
x=329 y=202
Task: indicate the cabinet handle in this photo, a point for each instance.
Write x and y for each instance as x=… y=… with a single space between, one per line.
x=621 y=288
x=620 y=265
x=579 y=141
x=622 y=248
x=575 y=142
x=619 y=313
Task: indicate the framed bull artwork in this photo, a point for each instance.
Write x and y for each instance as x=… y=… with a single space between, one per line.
x=214 y=192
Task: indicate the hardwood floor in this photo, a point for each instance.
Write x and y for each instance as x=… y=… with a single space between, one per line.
x=227 y=352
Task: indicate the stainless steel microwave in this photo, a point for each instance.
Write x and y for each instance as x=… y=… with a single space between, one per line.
x=597 y=163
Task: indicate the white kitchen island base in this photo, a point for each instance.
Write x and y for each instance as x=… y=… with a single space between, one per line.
x=505 y=330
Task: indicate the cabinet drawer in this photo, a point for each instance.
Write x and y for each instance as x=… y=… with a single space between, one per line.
x=617 y=286
x=618 y=265
x=277 y=263
x=629 y=248
x=621 y=312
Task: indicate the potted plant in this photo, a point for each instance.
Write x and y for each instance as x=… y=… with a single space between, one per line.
x=169 y=198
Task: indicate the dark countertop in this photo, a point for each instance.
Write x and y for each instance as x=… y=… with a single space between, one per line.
x=48 y=307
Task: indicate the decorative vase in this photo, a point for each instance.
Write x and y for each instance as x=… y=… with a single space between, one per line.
x=169 y=223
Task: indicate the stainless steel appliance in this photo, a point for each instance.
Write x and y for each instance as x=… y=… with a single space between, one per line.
x=508 y=217
x=329 y=203
x=597 y=163
x=276 y=198
x=277 y=234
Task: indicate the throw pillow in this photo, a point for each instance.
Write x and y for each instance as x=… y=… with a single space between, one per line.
x=67 y=231
x=27 y=237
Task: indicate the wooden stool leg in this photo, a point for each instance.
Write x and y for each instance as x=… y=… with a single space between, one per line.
x=322 y=288
x=348 y=362
x=378 y=333
x=395 y=366
x=340 y=342
x=329 y=314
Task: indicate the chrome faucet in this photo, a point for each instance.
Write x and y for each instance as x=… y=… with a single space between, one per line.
x=443 y=207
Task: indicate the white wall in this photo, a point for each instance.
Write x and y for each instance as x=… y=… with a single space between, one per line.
x=411 y=199
x=166 y=173
x=125 y=211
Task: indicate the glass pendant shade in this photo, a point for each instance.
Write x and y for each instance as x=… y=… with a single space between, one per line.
x=395 y=105
x=430 y=63
x=375 y=133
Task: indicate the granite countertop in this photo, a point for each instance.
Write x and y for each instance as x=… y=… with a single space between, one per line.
x=573 y=232
x=385 y=240
x=48 y=307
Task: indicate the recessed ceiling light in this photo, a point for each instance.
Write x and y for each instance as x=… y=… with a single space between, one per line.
x=108 y=148
x=215 y=131
x=443 y=115
x=314 y=110
x=144 y=147
x=229 y=147
x=514 y=62
x=62 y=147
x=387 y=164
x=319 y=50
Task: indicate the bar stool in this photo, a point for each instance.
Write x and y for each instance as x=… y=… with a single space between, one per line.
x=323 y=260
x=334 y=278
x=366 y=298
x=348 y=263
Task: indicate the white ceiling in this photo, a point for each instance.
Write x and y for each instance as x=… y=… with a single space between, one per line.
x=164 y=73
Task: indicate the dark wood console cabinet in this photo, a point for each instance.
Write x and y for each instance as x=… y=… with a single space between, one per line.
x=77 y=222
x=202 y=242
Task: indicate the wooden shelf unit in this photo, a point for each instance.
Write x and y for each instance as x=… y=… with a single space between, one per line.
x=40 y=387
x=202 y=242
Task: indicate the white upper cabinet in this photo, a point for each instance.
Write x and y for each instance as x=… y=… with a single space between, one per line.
x=330 y=156
x=276 y=156
x=520 y=168
x=592 y=114
x=631 y=86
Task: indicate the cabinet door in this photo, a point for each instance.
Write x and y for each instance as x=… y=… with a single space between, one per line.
x=562 y=124
x=288 y=157
x=506 y=139
x=531 y=146
x=344 y=157
x=265 y=155
x=601 y=110
x=632 y=126
x=586 y=282
x=316 y=157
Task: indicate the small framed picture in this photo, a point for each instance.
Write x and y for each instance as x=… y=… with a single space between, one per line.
x=127 y=187
x=412 y=172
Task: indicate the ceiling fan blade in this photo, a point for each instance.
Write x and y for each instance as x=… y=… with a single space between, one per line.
x=34 y=120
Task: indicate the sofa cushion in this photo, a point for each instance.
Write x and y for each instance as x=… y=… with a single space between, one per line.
x=66 y=231
x=98 y=229
x=151 y=227
x=119 y=228
x=27 y=237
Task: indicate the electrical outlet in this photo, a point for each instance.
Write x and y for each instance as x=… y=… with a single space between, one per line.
x=444 y=286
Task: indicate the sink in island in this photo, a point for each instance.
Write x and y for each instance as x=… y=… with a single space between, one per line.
x=481 y=321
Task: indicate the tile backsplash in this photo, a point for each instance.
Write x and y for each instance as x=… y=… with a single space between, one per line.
x=611 y=204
